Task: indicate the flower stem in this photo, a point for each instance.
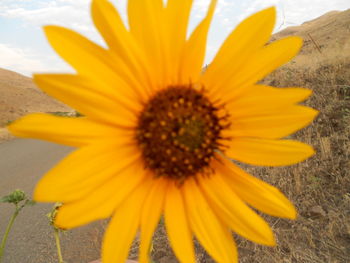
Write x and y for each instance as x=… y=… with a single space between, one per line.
x=58 y=246
x=9 y=226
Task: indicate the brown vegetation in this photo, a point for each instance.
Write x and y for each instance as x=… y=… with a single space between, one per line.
x=319 y=187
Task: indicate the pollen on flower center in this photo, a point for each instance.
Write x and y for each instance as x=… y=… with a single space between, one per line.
x=178 y=132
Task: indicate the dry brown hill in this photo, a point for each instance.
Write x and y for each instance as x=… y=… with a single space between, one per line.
x=329 y=31
x=19 y=96
x=319 y=187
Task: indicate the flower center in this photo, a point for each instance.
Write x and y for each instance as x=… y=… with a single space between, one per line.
x=178 y=132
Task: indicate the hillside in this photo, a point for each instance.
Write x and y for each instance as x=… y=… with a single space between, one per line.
x=19 y=96
x=329 y=31
x=319 y=187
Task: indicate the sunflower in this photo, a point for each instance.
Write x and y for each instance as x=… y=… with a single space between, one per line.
x=159 y=135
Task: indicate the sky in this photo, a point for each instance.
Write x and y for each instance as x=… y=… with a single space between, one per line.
x=24 y=48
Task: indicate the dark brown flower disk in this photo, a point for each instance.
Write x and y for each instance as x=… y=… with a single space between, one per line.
x=178 y=132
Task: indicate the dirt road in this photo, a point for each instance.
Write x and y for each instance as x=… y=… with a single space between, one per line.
x=22 y=163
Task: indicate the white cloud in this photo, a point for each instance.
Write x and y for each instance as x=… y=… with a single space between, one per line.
x=75 y=14
x=27 y=61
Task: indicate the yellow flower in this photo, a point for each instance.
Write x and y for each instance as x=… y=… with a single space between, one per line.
x=158 y=134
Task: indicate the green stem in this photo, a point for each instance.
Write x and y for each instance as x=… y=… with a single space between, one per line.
x=58 y=246
x=9 y=226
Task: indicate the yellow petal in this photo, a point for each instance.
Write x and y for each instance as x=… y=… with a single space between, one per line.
x=194 y=51
x=88 y=59
x=151 y=212
x=143 y=18
x=260 y=64
x=272 y=124
x=268 y=152
x=255 y=192
x=211 y=233
x=177 y=226
x=176 y=17
x=245 y=40
x=146 y=21
x=235 y=213
x=64 y=130
x=85 y=170
x=101 y=202
x=263 y=98
x=109 y=23
x=84 y=55
x=81 y=94
x=123 y=226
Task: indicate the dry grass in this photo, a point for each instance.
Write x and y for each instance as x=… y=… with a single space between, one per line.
x=320 y=186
